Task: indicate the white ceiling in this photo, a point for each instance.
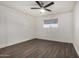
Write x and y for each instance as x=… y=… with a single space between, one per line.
x=24 y=6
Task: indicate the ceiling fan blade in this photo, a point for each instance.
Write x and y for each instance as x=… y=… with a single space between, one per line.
x=48 y=10
x=38 y=3
x=48 y=4
x=35 y=8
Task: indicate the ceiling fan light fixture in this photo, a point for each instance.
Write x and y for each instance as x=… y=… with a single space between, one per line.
x=42 y=10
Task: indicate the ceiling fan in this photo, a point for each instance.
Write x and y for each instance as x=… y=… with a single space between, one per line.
x=43 y=7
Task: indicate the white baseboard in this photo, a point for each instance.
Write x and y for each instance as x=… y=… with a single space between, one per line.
x=75 y=46
x=16 y=42
x=54 y=40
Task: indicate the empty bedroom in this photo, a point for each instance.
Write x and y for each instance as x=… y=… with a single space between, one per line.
x=39 y=29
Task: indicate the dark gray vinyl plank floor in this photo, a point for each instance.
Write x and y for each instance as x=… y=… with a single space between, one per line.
x=38 y=48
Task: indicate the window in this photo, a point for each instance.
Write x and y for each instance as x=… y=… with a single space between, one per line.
x=52 y=23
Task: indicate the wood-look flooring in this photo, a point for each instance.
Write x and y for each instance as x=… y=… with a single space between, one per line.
x=38 y=48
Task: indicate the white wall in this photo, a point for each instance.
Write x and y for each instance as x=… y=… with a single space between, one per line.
x=76 y=27
x=64 y=31
x=15 y=27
